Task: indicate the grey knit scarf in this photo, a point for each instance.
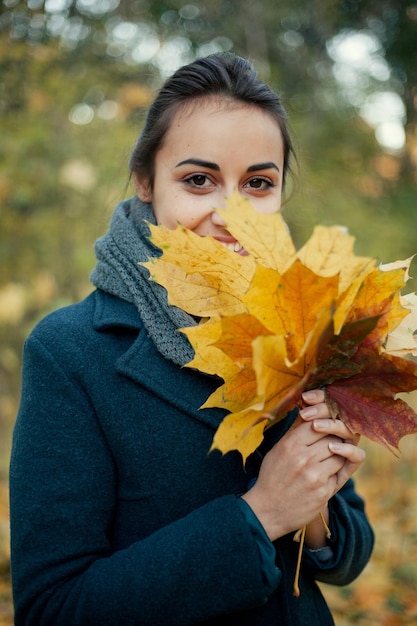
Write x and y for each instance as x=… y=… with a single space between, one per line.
x=119 y=252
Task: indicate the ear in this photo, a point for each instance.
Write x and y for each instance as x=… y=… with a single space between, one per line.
x=143 y=189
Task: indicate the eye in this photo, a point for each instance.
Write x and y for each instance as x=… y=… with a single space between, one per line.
x=260 y=184
x=198 y=180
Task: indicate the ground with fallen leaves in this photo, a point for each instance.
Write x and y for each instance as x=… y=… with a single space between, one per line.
x=6 y=609
x=385 y=593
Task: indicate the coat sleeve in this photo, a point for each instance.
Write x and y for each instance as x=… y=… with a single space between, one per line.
x=351 y=541
x=62 y=498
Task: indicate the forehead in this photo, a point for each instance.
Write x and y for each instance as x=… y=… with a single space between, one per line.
x=213 y=116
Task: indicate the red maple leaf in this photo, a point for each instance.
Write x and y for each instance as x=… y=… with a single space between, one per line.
x=367 y=401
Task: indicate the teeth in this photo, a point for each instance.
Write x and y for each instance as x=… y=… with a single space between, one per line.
x=234 y=247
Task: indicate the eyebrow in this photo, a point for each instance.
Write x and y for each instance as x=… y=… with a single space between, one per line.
x=213 y=166
x=263 y=166
x=208 y=164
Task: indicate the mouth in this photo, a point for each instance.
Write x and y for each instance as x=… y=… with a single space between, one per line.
x=232 y=245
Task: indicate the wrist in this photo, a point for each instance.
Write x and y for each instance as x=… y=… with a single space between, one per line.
x=317 y=531
x=267 y=519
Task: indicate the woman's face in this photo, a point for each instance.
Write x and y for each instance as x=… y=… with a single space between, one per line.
x=211 y=149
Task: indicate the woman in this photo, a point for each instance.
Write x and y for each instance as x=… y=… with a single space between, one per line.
x=118 y=513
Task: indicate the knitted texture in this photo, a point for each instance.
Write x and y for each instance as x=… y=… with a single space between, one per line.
x=119 y=273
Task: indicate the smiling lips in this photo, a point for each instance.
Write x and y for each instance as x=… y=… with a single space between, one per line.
x=232 y=245
x=235 y=247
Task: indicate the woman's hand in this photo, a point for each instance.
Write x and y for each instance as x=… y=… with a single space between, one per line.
x=318 y=410
x=299 y=475
x=318 y=414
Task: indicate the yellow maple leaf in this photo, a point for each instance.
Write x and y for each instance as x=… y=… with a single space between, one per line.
x=235 y=340
x=279 y=321
x=266 y=239
x=202 y=276
x=208 y=358
x=379 y=294
x=242 y=431
x=402 y=340
x=267 y=402
x=329 y=252
x=302 y=296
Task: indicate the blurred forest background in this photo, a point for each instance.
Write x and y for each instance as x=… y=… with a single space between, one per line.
x=76 y=78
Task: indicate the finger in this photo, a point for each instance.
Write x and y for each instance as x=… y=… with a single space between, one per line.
x=313 y=396
x=319 y=411
x=354 y=458
x=335 y=427
x=321 y=451
x=349 y=451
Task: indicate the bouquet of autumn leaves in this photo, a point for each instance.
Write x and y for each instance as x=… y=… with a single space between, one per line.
x=279 y=321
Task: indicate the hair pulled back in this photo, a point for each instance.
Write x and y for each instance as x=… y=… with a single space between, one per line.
x=224 y=75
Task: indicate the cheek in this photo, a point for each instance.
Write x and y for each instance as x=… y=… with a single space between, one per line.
x=172 y=209
x=267 y=206
x=164 y=206
x=191 y=210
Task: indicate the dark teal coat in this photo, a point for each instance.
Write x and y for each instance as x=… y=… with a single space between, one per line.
x=119 y=516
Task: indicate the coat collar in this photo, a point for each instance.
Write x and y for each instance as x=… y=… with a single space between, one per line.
x=113 y=312
x=183 y=388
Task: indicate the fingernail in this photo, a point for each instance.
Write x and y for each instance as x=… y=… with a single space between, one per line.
x=309 y=411
x=309 y=396
x=335 y=447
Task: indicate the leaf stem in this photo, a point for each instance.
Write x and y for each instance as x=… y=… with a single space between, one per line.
x=326 y=528
x=299 y=535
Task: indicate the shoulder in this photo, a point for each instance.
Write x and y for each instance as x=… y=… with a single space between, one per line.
x=79 y=323
x=77 y=313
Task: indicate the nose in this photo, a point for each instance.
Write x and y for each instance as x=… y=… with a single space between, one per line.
x=217 y=220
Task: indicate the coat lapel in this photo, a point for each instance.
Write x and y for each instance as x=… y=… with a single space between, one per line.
x=183 y=388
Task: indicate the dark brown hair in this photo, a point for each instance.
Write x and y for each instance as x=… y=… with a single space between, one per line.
x=225 y=75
